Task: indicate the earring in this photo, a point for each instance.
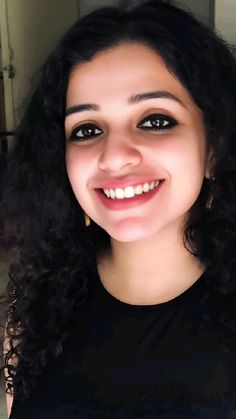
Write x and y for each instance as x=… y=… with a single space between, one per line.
x=211 y=195
x=87 y=220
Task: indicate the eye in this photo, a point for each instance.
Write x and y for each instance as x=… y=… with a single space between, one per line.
x=85 y=132
x=157 y=122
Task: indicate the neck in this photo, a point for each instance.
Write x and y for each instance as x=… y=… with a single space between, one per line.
x=149 y=271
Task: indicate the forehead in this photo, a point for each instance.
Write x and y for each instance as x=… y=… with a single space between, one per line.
x=121 y=71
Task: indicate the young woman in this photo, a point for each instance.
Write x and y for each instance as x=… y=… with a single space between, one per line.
x=119 y=198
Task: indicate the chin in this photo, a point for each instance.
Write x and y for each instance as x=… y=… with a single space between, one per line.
x=130 y=234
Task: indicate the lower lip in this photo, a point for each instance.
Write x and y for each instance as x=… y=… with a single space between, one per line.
x=122 y=204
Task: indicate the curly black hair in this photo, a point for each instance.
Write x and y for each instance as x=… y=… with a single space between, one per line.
x=43 y=222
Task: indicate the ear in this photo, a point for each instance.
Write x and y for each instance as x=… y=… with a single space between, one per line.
x=210 y=165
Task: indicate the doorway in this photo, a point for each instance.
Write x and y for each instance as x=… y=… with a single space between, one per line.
x=29 y=31
x=3 y=130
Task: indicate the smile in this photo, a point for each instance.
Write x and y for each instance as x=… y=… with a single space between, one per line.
x=130 y=191
x=138 y=195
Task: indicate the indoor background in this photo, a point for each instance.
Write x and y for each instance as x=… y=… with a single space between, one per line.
x=28 y=31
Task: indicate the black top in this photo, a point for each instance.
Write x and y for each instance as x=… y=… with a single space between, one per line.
x=138 y=361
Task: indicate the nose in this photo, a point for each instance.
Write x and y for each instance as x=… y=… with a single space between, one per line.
x=119 y=154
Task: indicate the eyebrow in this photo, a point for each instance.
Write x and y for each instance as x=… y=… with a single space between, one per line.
x=134 y=99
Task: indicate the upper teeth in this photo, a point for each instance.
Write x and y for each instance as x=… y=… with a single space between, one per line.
x=130 y=191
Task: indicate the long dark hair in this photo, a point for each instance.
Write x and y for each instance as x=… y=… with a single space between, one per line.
x=43 y=222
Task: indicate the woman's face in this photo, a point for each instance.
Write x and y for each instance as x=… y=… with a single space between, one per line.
x=136 y=151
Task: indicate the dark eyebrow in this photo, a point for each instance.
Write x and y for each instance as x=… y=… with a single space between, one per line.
x=81 y=108
x=158 y=94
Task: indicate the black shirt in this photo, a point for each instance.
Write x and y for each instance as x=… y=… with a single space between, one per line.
x=138 y=361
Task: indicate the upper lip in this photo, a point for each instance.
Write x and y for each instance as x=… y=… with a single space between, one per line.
x=122 y=183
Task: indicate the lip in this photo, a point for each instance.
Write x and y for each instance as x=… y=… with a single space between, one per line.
x=126 y=203
x=123 y=183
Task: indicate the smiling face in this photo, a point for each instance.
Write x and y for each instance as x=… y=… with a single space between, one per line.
x=136 y=151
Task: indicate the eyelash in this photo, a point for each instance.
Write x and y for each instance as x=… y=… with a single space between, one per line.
x=162 y=119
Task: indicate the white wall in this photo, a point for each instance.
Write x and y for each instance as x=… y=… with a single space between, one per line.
x=85 y=6
x=198 y=7
x=225 y=19
x=34 y=28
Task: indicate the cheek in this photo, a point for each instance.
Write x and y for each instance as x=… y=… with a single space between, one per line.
x=189 y=155
x=75 y=160
x=74 y=167
x=80 y=170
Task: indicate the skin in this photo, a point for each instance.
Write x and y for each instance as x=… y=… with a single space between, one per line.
x=146 y=240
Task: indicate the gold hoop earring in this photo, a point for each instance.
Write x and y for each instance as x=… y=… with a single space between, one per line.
x=87 y=220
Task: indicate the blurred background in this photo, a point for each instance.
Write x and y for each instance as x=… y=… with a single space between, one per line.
x=29 y=29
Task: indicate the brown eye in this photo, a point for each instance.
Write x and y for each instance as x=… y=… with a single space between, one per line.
x=85 y=132
x=157 y=122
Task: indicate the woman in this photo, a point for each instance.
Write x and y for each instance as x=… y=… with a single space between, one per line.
x=122 y=195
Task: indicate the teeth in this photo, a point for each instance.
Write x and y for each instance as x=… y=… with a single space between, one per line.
x=145 y=187
x=112 y=194
x=120 y=194
x=107 y=193
x=138 y=190
x=130 y=191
